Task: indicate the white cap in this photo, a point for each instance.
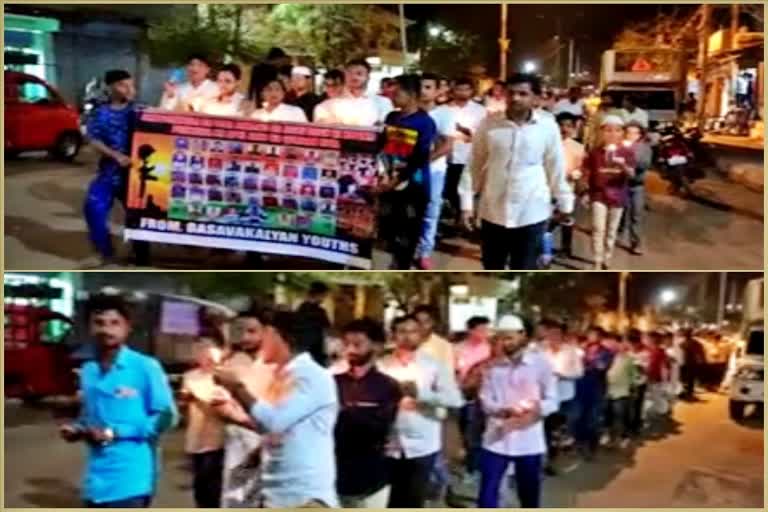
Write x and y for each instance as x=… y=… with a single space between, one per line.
x=510 y=323
x=613 y=120
x=301 y=71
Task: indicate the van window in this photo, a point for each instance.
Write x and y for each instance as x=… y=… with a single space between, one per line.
x=647 y=100
x=755 y=346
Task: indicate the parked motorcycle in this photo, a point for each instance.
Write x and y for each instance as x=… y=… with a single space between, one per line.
x=676 y=159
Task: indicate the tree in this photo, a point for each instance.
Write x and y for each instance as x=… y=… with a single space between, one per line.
x=670 y=31
x=756 y=12
x=447 y=51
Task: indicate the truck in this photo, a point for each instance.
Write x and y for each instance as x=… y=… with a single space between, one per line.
x=747 y=383
x=655 y=78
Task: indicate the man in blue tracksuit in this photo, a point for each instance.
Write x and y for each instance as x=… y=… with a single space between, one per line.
x=127 y=403
x=110 y=130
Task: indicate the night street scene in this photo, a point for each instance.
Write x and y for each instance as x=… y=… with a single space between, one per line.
x=381 y=389
x=384 y=136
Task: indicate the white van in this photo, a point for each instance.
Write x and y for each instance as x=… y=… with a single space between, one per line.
x=747 y=385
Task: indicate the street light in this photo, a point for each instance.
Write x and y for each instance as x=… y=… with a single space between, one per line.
x=434 y=31
x=529 y=66
x=668 y=296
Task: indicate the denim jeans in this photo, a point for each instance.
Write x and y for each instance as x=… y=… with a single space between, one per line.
x=432 y=214
x=589 y=422
x=410 y=481
x=135 y=502
x=619 y=418
x=634 y=215
x=493 y=467
x=472 y=426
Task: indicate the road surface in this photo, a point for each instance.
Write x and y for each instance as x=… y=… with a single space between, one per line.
x=44 y=229
x=704 y=460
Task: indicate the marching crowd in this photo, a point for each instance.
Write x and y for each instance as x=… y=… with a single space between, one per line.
x=512 y=163
x=273 y=420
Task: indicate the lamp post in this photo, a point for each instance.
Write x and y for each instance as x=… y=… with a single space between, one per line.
x=503 y=43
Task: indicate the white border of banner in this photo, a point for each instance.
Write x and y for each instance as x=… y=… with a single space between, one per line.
x=247 y=245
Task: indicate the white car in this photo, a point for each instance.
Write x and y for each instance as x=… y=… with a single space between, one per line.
x=747 y=386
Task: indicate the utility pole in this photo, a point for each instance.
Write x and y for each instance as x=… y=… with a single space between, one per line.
x=571 y=70
x=734 y=24
x=721 y=298
x=558 y=74
x=503 y=43
x=701 y=64
x=623 y=277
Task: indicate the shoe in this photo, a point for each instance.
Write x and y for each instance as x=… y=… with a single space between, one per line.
x=605 y=267
x=426 y=263
x=636 y=250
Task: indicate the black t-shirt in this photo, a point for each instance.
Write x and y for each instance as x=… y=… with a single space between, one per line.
x=368 y=410
x=307 y=103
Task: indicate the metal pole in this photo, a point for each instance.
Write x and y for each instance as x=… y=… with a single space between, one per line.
x=571 y=71
x=503 y=43
x=734 y=24
x=706 y=13
x=403 y=35
x=721 y=298
x=623 y=276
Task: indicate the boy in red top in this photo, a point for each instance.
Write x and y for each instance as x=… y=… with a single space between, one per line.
x=608 y=169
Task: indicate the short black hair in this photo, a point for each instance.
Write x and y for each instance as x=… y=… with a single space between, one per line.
x=464 y=80
x=276 y=53
x=286 y=70
x=563 y=117
x=477 y=321
x=103 y=302
x=372 y=329
x=410 y=84
x=635 y=336
x=318 y=288
x=525 y=78
x=401 y=320
x=426 y=308
x=631 y=99
x=599 y=330
x=334 y=74
x=201 y=57
x=552 y=323
x=386 y=80
x=294 y=328
x=359 y=62
x=115 y=75
x=234 y=69
x=431 y=76
x=636 y=124
x=612 y=335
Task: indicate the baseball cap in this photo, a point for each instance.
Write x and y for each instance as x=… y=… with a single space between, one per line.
x=301 y=71
x=510 y=323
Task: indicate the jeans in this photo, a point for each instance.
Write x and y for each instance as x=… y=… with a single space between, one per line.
x=135 y=502
x=410 y=480
x=589 y=422
x=605 y=226
x=619 y=417
x=516 y=248
x=439 y=477
x=105 y=188
x=401 y=224
x=638 y=409
x=472 y=426
x=633 y=216
x=432 y=214
x=493 y=467
x=208 y=476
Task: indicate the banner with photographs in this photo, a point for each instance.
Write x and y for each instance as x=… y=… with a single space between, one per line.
x=291 y=189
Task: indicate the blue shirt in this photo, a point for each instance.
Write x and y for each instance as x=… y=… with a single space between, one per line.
x=135 y=400
x=301 y=465
x=418 y=170
x=113 y=128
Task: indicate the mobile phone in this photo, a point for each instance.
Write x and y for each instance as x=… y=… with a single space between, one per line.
x=176 y=76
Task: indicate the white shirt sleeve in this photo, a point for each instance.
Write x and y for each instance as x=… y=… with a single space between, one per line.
x=554 y=166
x=475 y=168
x=550 y=401
x=445 y=392
x=384 y=106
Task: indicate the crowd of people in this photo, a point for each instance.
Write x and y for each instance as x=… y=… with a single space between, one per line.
x=513 y=162
x=273 y=419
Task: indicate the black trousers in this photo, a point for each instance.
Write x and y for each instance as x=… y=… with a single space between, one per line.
x=410 y=481
x=513 y=248
x=451 y=190
x=636 y=409
x=689 y=374
x=208 y=476
x=402 y=219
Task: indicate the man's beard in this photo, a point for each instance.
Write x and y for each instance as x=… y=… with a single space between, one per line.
x=361 y=360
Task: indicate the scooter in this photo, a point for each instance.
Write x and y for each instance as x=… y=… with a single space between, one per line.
x=675 y=159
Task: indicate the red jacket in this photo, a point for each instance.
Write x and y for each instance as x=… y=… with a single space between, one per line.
x=606 y=186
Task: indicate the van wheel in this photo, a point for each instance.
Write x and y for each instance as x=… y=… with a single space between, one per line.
x=67 y=146
x=736 y=410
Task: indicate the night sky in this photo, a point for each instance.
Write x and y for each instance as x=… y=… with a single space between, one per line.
x=532 y=26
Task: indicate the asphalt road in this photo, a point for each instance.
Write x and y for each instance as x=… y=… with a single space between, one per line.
x=702 y=460
x=44 y=229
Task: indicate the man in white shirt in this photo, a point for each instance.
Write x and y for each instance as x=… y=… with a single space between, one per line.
x=517 y=167
x=333 y=87
x=444 y=118
x=297 y=415
x=427 y=386
x=515 y=427
x=356 y=106
x=572 y=104
x=469 y=115
x=190 y=96
x=634 y=113
x=567 y=363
